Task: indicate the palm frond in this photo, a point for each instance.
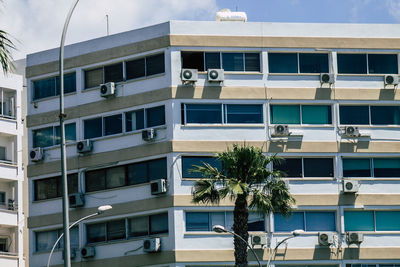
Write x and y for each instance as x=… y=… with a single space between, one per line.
x=261 y=202
x=281 y=199
x=6 y=45
x=205 y=191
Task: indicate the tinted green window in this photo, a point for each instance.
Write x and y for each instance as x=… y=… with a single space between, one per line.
x=285 y=114
x=290 y=167
x=282 y=62
x=189 y=162
x=232 y=61
x=356 y=168
x=203 y=113
x=43 y=137
x=384 y=115
x=252 y=62
x=387 y=220
x=135 y=68
x=197 y=221
x=213 y=61
x=244 y=114
x=312 y=114
x=359 y=221
x=358 y=115
x=352 y=63
x=382 y=63
x=387 y=167
x=155 y=116
x=313 y=63
x=93 y=128
x=155 y=64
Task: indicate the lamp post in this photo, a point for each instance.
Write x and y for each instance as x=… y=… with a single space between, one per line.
x=294 y=234
x=67 y=252
x=221 y=229
x=100 y=210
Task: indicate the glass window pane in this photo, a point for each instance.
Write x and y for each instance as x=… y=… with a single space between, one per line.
x=354 y=114
x=93 y=77
x=46 y=188
x=135 y=68
x=382 y=63
x=197 y=221
x=155 y=64
x=139 y=226
x=189 y=162
x=352 y=63
x=312 y=114
x=212 y=61
x=44 y=88
x=229 y=220
x=252 y=62
x=137 y=173
x=387 y=220
x=70 y=133
x=313 y=63
x=356 y=168
x=93 y=128
x=95 y=180
x=155 y=116
x=287 y=224
x=285 y=114
x=157 y=169
x=115 y=177
x=203 y=113
x=383 y=115
x=217 y=218
x=318 y=167
x=256 y=222
x=96 y=232
x=2 y=153
x=359 y=221
x=290 y=167
x=232 y=61
x=43 y=137
x=320 y=221
x=46 y=240
x=159 y=223
x=69 y=83
x=244 y=113
x=282 y=62
x=116 y=230
x=387 y=167
x=193 y=60
x=134 y=120
x=113 y=73
x=112 y=124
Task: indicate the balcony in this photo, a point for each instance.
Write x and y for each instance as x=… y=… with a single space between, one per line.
x=8 y=246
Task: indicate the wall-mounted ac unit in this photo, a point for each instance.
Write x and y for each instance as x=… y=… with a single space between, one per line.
x=327 y=78
x=281 y=130
x=391 y=79
x=350 y=186
x=36 y=154
x=152 y=244
x=149 y=134
x=158 y=186
x=88 y=252
x=76 y=200
x=325 y=238
x=258 y=239
x=215 y=75
x=84 y=146
x=189 y=75
x=354 y=237
x=351 y=131
x=107 y=89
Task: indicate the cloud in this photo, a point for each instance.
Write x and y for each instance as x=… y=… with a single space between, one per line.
x=37 y=24
x=393 y=7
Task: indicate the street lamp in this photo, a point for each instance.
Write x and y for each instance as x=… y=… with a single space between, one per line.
x=100 y=210
x=294 y=234
x=221 y=229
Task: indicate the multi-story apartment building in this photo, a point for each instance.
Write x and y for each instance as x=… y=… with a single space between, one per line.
x=132 y=141
x=11 y=172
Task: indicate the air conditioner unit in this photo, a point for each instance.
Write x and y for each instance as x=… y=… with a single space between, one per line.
x=281 y=130
x=36 y=154
x=189 y=75
x=158 y=186
x=149 y=134
x=325 y=238
x=258 y=239
x=84 y=146
x=350 y=186
x=391 y=79
x=72 y=254
x=76 y=200
x=152 y=244
x=107 y=89
x=354 y=237
x=327 y=78
x=351 y=131
x=88 y=252
x=215 y=75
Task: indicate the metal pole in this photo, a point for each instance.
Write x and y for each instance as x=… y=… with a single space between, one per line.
x=108 y=26
x=276 y=248
x=247 y=243
x=67 y=249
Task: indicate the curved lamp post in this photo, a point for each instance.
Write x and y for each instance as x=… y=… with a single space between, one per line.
x=221 y=229
x=294 y=234
x=100 y=210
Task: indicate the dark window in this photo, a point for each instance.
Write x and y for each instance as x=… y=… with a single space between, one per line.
x=95 y=180
x=115 y=177
x=193 y=60
x=282 y=62
x=50 y=136
x=313 y=63
x=318 y=167
x=70 y=133
x=135 y=68
x=148 y=225
x=96 y=233
x=290 y=167
x=51 y=86
x=113 y=73
x=112 y=124
x=244 y=114
x=213 y=60
x=384 y=115
x=354 y=114
x=137 y=173
x=203 y=113
x=116 y=230
x=134 y=120
x=157 y=169
x=52 y=187
x=197 y=221
x=232 y=61
x=93 y=128
x=382 y=63
x=159 y=223
x=252 y=62
x=138 y=226
x=155 y=116
x=155 y=64
x=188 y=164
x=93 y=77
x=386 y=167
x=356 y=168
x=352 y=63
x=69 y=83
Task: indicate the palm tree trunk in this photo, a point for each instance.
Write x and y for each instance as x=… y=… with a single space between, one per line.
x=240 y=217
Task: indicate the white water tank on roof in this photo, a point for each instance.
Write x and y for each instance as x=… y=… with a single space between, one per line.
x=228 y=15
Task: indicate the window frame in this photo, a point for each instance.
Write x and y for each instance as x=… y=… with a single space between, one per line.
x=58 y=185
x=54 y=135
x=60 y=244
x=298 y=62
x=369 y=115
x=35 y=99
x=371 y=168
x=367 y=63
x=303 y=212
x=302 y=167
x=301 y=124
x=374 y=220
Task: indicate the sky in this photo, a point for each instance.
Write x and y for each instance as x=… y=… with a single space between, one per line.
x=36 y=25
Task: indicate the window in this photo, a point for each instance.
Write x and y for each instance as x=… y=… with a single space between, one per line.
x=377 y=63
x=45 y=240
x=146 y=66
x=360 y=115
x=51 y=86
x=3 y=153
x=52 y=187
x=203 y=113
x=312 y=221
x=243 y=113
x=371 y=167
x=103 y=126
x=144 y=118
x=306 y=167
x=204 y=221
x=298 y=63
x=3 y=245
x=148 y=225
x=372 y=220
x=2 y=198
x=105 y=231
x=50 y=136
x=105 y=74
x=306 y=114
x=203 y=61
x=188 y=163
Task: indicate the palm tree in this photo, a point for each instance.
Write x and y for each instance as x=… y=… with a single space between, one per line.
x=6 y=45
x=247 y=180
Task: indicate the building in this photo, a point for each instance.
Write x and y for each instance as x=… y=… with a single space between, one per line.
x=132 y=142
x=12 y=218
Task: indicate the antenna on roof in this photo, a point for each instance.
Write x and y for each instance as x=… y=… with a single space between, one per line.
x=108 y=26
